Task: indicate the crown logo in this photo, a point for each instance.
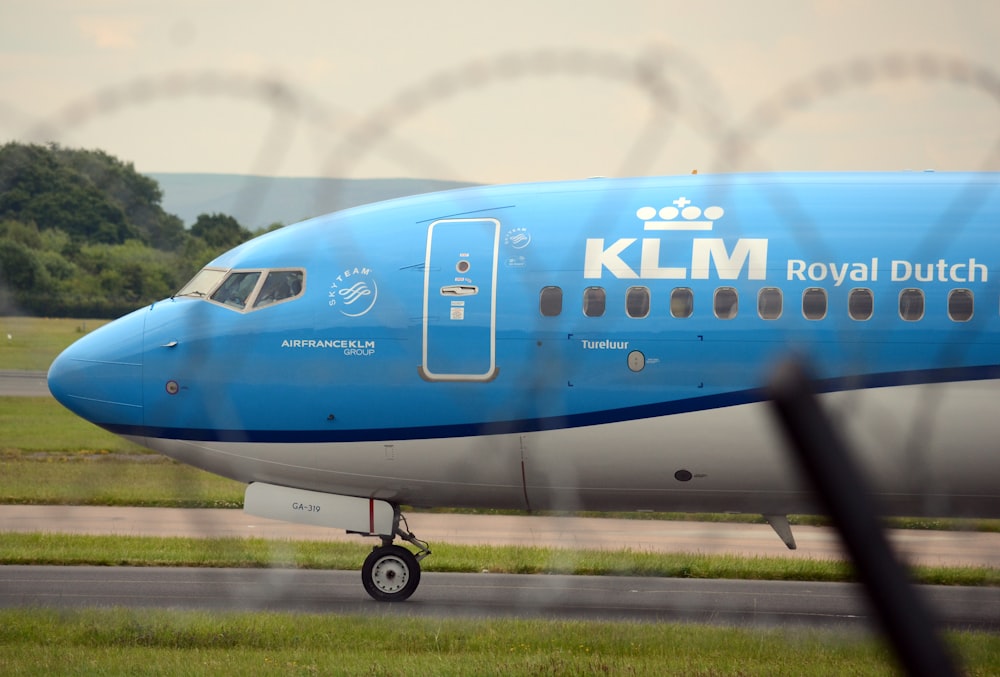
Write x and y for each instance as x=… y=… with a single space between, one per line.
x=692 y=218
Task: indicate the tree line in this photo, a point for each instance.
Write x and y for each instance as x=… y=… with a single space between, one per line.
x=82 y=234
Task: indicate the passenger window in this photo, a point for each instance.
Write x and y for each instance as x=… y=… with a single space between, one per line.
x=726 y=303
x=911 y=304
x=769 y=302
x=279 y=285
x=236 y=288
x=960 y=305
x=860 y=304
x=550 y=301
x=637 y=302
x=681 y=302
x=814 y=303
x=594 y=301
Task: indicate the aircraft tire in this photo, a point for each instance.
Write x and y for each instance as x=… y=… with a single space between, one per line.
x=390 y=574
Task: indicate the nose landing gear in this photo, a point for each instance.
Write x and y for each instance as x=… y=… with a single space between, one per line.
x=391 y=573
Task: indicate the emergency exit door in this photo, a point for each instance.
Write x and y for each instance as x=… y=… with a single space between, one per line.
x=460 y=274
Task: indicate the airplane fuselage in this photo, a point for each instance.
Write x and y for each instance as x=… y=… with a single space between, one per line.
x=601 y=345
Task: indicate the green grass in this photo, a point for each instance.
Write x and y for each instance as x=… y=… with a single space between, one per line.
x=63 y=549
x=112 y=479
x=35 y=341
x=50 y=456
x=40 y=424
x=116 y=641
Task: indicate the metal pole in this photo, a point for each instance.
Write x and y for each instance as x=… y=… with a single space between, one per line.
x=844 y=495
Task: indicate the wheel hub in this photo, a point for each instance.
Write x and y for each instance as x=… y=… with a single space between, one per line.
x=390 y=574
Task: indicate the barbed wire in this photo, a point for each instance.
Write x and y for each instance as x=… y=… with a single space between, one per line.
x=853 y=74
x=675 y=83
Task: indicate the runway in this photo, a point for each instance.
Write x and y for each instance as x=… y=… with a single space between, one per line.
x=23 y=384
x=739 y=603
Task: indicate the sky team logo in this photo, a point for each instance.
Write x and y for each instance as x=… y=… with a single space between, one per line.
x=354 y=292
x=518 y=238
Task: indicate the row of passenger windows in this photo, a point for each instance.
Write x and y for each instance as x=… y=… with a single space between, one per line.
x=770 y=303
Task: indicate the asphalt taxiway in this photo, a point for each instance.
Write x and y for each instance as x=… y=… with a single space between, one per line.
x=23 y=384
x=727 y=602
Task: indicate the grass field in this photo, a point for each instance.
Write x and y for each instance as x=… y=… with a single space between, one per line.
x=48 y=455
x=63 y=549
x=115 y=641
x=40 y=424
x=31 y=343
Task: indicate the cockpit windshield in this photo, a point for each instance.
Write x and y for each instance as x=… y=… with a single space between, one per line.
x=203 y=283
x=246 y=289
x=236 y=288
x=278 y=286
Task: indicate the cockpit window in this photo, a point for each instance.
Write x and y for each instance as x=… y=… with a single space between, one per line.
x=246 y=290
x=203 y=283
x=279 y=285
x=236 y=290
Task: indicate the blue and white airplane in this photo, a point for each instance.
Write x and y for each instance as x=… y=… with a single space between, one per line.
x=601 y=344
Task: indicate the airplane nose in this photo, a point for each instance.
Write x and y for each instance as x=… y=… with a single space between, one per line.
x=100 y=376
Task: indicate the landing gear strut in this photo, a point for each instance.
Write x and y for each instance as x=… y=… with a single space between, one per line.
x=391 y=573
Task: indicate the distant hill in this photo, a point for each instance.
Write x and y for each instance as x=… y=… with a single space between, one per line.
x=259 y=201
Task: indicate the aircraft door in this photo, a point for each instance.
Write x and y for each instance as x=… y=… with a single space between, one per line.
x=460 y=273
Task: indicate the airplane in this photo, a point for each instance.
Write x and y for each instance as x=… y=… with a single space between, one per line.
x=599 y=344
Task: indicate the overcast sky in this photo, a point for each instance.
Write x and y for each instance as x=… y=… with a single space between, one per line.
x=505 y=91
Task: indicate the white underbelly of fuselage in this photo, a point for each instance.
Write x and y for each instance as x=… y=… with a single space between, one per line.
x=928 y=449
